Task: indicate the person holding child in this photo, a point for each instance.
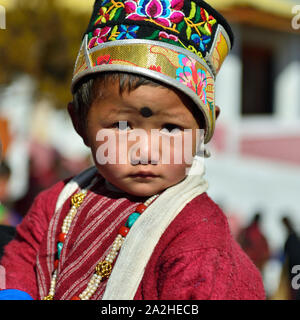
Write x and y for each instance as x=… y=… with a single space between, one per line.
x=134 y=226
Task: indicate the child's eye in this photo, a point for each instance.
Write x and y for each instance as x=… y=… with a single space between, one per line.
x=170 y=128
x=122 y=126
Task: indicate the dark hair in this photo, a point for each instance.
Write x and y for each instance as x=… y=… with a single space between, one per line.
x=88 y=89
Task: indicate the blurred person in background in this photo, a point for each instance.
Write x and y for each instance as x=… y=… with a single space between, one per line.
x=44 y=167
x=8 y=218
x=7 y=215
x=286 y=291
x=254 y=243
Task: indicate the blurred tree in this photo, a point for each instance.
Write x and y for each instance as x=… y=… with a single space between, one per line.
x=42 y=39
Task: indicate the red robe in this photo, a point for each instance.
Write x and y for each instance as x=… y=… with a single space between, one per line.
x=196 y=257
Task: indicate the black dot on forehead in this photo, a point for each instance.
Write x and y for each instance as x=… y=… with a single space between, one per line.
x=146 y=112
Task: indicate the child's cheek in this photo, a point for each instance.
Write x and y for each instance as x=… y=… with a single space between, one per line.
x=113 y=147
x=105 y=148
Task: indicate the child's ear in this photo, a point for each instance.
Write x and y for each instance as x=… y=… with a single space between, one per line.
x=218 y=111
x=77 y=124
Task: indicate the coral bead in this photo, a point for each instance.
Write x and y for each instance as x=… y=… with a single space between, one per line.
x=62 y=237
x=75 y=298
x=123 y=231
x=140 y=208
x=56 y=264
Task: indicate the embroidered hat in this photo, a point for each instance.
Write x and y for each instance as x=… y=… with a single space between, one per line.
x=181 y=43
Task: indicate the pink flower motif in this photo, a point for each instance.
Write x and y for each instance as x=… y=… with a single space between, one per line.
x=130 y=6
x=194 y=79
x=177 y=4
x=99 y=36
x=165 y=35
x=161 y=11
x=176 y=17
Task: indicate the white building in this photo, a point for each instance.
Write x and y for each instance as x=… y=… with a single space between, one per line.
x=255 y=163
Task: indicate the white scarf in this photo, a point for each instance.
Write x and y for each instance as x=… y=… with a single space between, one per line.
x=146 y=231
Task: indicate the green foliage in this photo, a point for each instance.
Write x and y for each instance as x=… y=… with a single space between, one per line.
x=42 y=40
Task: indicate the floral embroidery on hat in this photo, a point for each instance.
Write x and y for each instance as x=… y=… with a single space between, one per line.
x=103 y=16
x=192 y=77
x=208 y=20
x=190 y=27
x=127 y=32
x=159 y=11
x=155 y=68
x=106 y=59
x=164 y=35
x=99 y=36
x=201 y=42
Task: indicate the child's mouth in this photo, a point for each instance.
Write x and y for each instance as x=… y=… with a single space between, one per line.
x=144 y=175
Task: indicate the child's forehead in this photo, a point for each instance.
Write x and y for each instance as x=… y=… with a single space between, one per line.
x=148 y=112
x=147 y=100
x=151 y=97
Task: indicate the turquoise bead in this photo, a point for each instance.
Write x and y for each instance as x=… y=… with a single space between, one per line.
x=59 y=248
x=132 y=219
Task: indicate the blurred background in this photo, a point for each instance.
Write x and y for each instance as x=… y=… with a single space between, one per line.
x=254 y=170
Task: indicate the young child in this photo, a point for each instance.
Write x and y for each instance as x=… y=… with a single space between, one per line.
x=139 y=224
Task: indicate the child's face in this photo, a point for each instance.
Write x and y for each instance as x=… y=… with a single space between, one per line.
x=169 y=111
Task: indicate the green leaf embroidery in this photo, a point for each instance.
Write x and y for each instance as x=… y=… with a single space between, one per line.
x=112 y=14
x=198 y=15
x=188 y=32
x=154 y=35
x=107 y=5
x=193 y=10
x=118 y=14
x=113 y=34
x=204 y=30
x=180 y=25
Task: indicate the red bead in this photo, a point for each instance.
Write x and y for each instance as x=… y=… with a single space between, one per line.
x=75 y=298
x=123 y=231
x=56 y=264
x=62 y=237
x=140 y=208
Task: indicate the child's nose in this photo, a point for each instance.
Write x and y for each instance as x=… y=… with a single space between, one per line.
x=145 y=152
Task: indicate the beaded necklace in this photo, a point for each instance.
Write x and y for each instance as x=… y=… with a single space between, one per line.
x=103 y=268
